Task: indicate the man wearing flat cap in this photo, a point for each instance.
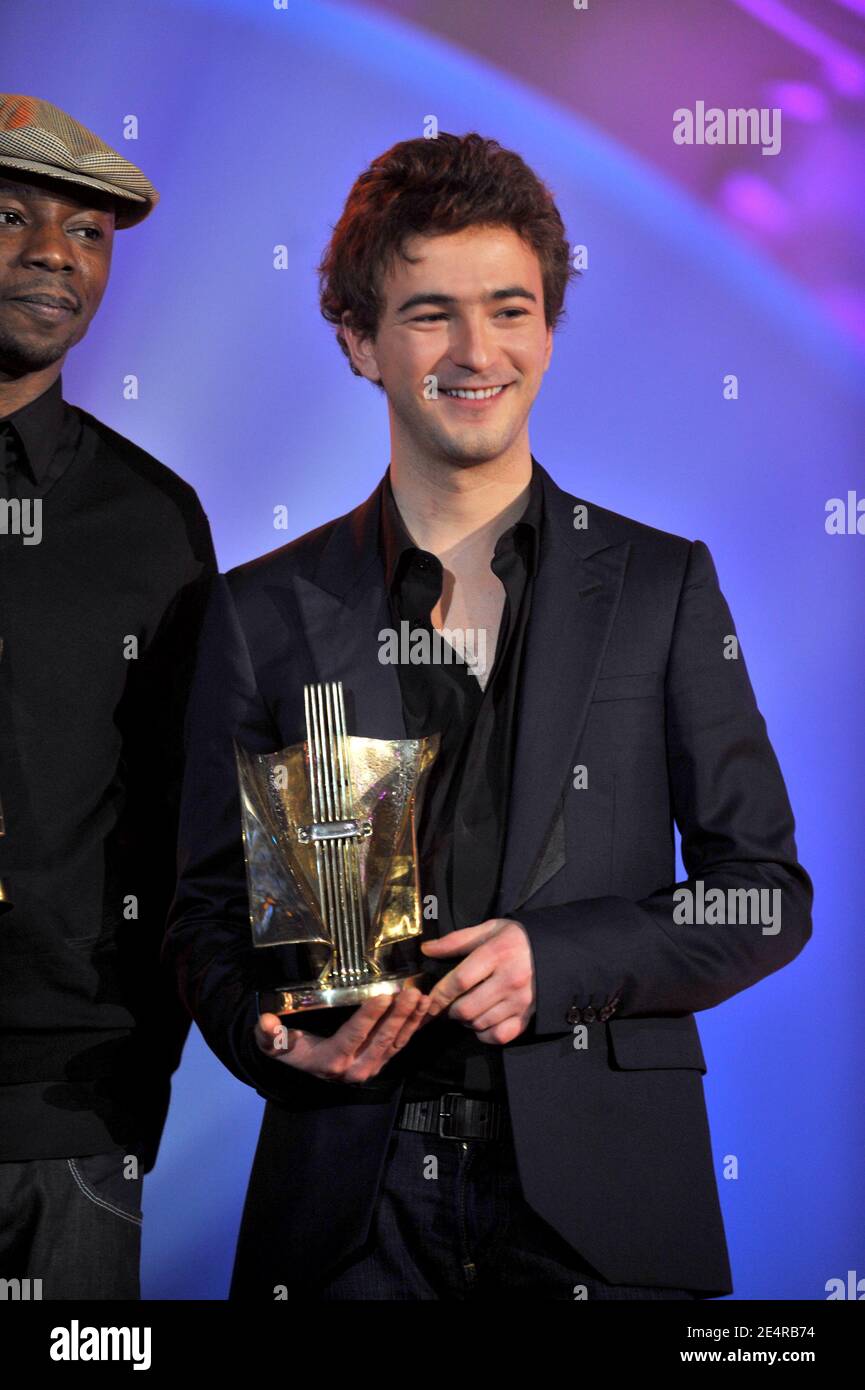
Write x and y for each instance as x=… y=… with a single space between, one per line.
x=105 y=558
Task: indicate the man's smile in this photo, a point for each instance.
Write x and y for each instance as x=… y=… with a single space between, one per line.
x=474 y=399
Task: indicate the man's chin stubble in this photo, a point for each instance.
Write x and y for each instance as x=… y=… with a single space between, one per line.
x=483 y=450
x=18 y=359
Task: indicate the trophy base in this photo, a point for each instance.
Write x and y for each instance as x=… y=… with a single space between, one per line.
x=309 y=997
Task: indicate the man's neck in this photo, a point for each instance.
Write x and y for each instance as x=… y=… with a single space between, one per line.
x=18 y=391
x=458 y=513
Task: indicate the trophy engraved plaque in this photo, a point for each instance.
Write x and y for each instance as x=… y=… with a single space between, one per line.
x=330 y=844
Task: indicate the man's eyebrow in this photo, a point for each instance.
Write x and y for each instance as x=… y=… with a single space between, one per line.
x=446 y=300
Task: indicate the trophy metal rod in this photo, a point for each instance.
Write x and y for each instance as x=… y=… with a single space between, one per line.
x=342 y=809
x=349 y=848
x=346 y=965
x=332 y=805
x=316 y=792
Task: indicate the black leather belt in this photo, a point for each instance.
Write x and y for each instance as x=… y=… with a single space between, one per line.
x=454 y=1116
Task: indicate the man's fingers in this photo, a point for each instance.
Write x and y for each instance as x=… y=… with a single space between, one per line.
x=394 y=1030
x=460 y=942
x=359 y=1048
x=504 y=1032
x=348 y=1039
x=490 y=1017
x=413 y=1024
x=272 y=1036
x=470 y=972
x=403 y=1009
x=307 y=1050
x=488 y=995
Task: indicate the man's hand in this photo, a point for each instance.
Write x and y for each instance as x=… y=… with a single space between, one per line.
x=493 y=989
x=358 y=1050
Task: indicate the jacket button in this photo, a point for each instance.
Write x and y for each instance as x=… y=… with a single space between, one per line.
x=574 y=1015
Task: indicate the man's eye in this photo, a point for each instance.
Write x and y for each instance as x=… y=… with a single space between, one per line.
x=92 y=232
x=7 y=212
x=431 y=318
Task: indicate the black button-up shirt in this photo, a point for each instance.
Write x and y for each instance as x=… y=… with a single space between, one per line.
x=37 y=444
x=462 y=827
x=90 y=761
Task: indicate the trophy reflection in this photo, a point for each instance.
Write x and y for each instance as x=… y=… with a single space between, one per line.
x=330 y=843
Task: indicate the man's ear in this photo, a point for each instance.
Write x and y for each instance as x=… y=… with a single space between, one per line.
x=549 y=349
x=361 y=349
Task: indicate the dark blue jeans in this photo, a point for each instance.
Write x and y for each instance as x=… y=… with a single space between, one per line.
x=70 y=1228
x=452 y=1223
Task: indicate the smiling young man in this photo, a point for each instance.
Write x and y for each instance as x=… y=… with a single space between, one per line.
x=100 y=605
x=534 y=1125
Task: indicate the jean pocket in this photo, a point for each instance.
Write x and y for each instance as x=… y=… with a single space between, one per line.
x=102 y=1179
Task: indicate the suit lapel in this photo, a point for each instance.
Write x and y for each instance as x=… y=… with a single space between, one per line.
x=576 y=594
x=343 y=609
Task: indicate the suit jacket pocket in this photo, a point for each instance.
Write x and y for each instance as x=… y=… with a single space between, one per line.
x=640 y=686
x=641 y=1043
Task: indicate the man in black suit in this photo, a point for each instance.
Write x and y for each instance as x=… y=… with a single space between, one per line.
x=535 y=1124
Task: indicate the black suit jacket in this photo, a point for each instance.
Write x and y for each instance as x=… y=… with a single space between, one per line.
x=625 y=674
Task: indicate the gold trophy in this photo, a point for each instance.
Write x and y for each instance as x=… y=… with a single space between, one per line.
x=330 y=843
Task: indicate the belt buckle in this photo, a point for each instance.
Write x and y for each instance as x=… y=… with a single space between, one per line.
x=445 y=1115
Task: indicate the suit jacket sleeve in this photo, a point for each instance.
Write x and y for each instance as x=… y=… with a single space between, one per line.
x=208 y=941
x=737 y=828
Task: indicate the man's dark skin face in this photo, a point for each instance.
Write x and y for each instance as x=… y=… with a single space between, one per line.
x=55 y=245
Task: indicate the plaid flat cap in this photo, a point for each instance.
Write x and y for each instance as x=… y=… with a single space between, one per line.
x=41 y=139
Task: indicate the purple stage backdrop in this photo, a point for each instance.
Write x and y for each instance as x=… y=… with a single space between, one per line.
x=705 y=262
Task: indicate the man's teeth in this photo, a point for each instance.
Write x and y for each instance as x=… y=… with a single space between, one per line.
x=476 y=395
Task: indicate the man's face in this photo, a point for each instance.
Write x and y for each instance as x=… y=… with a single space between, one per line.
x=55 y=255
x=468 y=311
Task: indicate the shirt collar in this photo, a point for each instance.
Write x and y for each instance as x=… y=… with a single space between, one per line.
x=37 y=426
x=396 y=540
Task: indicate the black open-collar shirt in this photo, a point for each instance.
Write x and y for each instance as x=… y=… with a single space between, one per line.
x=38 y=441
x=462 y=828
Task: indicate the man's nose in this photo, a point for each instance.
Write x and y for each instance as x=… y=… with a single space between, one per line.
x=48 y=248
x=471 y=345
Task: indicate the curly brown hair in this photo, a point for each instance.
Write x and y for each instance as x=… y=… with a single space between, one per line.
x=431 y=187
